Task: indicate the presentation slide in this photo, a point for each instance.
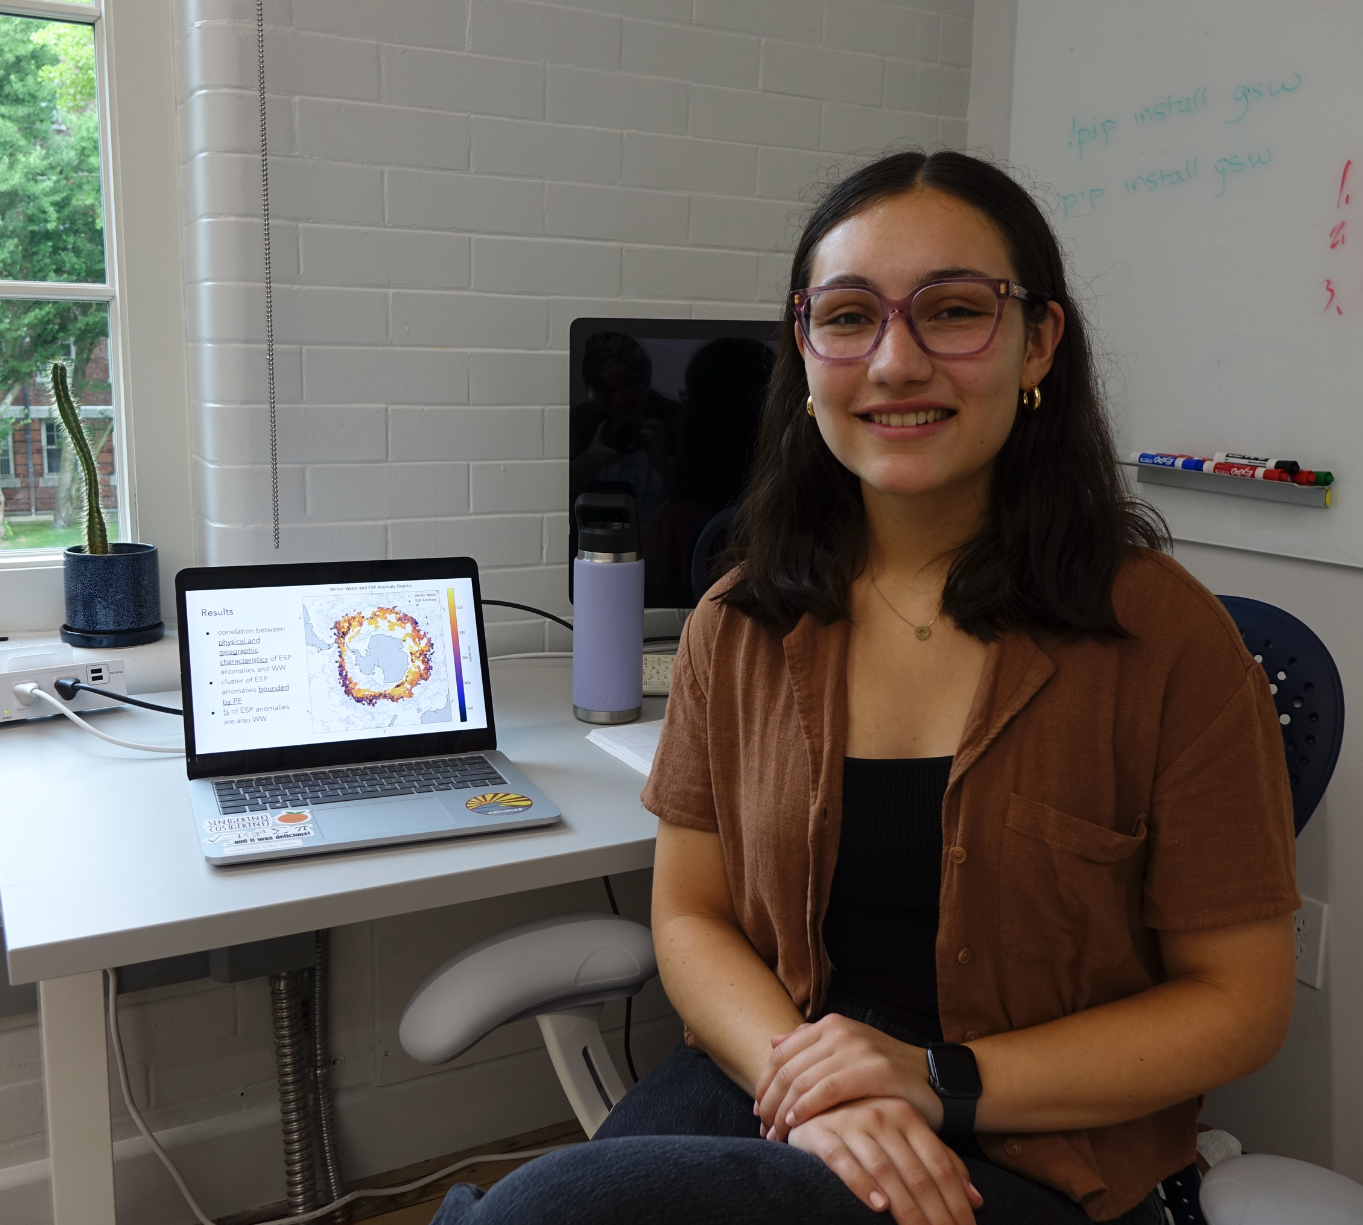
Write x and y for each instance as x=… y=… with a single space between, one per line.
x=317 y=664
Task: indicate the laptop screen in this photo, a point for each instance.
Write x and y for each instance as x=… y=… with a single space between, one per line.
x=332 y=662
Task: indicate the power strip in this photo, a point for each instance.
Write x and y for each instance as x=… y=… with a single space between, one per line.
x=106 y=673
x=658 y=675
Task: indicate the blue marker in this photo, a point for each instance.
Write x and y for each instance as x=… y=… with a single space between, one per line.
x=1159 y=459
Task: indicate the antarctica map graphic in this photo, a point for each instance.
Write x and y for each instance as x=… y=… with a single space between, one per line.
x=378 y=662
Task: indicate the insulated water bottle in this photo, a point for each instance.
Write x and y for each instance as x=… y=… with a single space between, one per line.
x=608 y=610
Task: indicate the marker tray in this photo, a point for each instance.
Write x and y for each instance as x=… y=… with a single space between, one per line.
x=1317 y=496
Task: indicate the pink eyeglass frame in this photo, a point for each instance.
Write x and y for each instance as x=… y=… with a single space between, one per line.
x=1004 y=292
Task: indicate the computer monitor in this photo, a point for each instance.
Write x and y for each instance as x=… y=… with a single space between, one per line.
x=667 y=410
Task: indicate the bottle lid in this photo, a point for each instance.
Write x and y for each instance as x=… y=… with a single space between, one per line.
x=606 y=523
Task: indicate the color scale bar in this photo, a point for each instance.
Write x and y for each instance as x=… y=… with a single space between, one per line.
x=458 y=659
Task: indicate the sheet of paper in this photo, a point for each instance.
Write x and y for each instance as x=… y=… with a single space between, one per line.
x=634 y=744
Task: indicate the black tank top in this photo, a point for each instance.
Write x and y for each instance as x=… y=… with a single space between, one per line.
x=881 y=927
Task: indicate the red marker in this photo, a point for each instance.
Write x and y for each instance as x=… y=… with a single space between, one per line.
x=1251 y=472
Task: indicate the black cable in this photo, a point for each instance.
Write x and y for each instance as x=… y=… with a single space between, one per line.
x=629 y=1057
x=539 y=612
x=629 y=1000
x=665 y=638
x=68 y=687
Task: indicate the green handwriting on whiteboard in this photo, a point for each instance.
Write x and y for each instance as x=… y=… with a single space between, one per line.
x=1228 y=167
x=1099 y=131
x=1081 y=203
x=1247 y=96
x=1171 y=106
x=1166 y=177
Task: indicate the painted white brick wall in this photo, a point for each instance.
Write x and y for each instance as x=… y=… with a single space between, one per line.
x=451 y=184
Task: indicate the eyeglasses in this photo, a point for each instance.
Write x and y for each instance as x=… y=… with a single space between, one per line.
x=846 y=323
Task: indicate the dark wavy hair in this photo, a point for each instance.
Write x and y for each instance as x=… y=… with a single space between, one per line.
x=1059 y=520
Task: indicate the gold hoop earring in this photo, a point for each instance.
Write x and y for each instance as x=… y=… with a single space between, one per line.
x=809 y=406
x=1031 y=400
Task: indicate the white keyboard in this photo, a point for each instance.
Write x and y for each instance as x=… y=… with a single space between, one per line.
x=658 y=675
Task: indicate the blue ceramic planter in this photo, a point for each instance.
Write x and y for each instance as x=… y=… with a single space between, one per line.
x=112 y=599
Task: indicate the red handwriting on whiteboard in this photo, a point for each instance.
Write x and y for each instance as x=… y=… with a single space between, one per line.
x=1338 y=235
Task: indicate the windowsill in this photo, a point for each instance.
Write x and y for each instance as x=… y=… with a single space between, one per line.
x=31 y=559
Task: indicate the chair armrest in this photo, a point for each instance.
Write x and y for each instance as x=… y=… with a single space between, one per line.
x=546 y=965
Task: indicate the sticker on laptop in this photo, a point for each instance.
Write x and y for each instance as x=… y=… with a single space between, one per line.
x=498 y=803
x=257 y=830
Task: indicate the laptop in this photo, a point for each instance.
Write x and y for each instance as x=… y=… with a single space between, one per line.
x=337 y=705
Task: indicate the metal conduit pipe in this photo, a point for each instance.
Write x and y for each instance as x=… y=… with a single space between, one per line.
x=329 y=1175
x=291 y=1069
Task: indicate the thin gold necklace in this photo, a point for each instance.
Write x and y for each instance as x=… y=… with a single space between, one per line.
x=921 y=632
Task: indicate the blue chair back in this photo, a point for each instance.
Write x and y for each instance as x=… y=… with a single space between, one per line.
x=1306 y=690
x=1310 y=701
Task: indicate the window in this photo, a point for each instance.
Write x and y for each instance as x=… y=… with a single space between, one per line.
x=6 y=458
x=52 y=449
x=57 y=298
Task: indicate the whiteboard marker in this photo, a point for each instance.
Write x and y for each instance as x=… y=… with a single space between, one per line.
x=1159 y=459
x=1290 y=466
x=1253 y=472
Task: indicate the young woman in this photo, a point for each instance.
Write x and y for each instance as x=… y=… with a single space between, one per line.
x=975 y=861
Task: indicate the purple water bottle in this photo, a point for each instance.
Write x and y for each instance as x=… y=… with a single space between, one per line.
x=608 y=610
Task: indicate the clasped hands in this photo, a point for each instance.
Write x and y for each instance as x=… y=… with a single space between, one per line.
x=860 y=1101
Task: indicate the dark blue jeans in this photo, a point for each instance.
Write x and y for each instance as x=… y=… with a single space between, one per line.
x=683 y=1149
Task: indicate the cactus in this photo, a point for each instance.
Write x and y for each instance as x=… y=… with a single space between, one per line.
x=96 y=535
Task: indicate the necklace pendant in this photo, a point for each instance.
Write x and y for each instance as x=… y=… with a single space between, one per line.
x=922 y=632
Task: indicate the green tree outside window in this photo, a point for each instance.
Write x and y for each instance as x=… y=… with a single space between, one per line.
x=51 y=216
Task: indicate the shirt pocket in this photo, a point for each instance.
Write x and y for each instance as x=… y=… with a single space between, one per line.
x=1070 y=889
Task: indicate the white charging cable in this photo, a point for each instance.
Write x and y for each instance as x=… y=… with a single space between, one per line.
x=30 y=690
x=116 y=1038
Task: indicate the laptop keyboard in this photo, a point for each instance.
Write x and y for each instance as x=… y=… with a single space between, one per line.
x=377 y=780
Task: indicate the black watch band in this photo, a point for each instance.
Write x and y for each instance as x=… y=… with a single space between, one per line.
x=955 y=1078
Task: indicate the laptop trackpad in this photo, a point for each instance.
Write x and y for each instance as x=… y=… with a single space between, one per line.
x=408 y=814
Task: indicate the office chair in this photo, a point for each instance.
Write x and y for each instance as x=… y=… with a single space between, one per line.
x=1265 y=1190
x=561 y=970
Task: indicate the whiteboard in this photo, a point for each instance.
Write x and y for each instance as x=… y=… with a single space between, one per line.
x=1204 y=164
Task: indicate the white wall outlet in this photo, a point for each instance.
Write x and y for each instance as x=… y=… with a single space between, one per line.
x=1309 y=922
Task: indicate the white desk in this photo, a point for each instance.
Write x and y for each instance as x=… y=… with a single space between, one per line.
x=100 y=866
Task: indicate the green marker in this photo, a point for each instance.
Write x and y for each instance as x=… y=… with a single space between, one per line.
x=1325 y=478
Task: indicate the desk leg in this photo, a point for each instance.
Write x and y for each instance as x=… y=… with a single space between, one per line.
x=76 y=1088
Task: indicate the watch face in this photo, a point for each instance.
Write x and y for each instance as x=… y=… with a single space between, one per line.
x=954 y=1070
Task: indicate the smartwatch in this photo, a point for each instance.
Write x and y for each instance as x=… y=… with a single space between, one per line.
x=955 y=1078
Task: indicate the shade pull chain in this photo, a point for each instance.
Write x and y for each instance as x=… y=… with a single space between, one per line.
x=269 y=296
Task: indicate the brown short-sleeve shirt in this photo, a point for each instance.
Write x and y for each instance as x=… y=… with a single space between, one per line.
x=1102 y=790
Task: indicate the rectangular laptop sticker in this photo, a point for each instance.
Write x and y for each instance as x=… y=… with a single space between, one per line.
x=253 y=831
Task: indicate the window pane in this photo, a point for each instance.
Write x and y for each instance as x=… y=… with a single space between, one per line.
x=51 y=211
x=41 y=492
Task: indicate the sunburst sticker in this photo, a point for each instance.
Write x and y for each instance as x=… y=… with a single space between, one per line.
x=498 y=803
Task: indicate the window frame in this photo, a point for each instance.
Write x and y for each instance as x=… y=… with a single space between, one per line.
x=144 y=289
x=50 y=432
x=92 y=15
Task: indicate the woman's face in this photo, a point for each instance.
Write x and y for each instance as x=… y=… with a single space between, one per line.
x=967 y=404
